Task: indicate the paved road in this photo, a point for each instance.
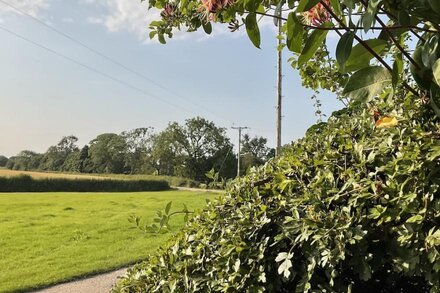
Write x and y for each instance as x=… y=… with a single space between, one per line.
x=98 y=284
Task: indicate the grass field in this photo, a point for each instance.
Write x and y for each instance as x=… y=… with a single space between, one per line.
x=173 y=181
x=46 y=238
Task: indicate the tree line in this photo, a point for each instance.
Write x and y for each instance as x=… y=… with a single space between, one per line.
x=188 y=150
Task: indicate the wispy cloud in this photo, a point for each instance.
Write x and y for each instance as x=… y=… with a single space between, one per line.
x=33 y=7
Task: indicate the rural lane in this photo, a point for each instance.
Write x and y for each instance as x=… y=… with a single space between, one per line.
x=97 y=284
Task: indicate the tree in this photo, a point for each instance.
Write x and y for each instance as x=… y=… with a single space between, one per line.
x=138 y=148
x=106 y=153
x=255 y=151
x=25 y=160
x=55 y=157
x=3 y=161
x=200 y=141
x=84 y=164
x=166 y=153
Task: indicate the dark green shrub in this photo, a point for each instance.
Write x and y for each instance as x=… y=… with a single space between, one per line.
x=25 y=183
x=349 y=208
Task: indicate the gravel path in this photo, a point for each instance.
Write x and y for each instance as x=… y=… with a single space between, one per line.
x=98 y=284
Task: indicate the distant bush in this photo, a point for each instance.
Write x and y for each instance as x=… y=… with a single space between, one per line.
x=25 y=183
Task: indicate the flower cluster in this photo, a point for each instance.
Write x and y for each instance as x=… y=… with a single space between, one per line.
x=210 y=7
x=168 y=11
x=318 y=14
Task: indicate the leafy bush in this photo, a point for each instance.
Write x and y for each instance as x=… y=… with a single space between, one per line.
x=352 y=207
x=25 y=183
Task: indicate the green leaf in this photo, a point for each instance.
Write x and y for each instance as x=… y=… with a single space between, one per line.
x=286 y=263
x=397 y=70
x=344 y=47
x=336 y=7
x=168 y=207
x=278 y=11
x=305 y=5
x=207 y=27
x=152 y=34
x=312 y=45
x=295 y=33
x=403 y=18
x=436 y=71
x=368 y=19
x=360 y=57
x=161 y=38
x=251 y=5
x=365 y=271
x=415 y=219
x=252 y=29
x=366 y=83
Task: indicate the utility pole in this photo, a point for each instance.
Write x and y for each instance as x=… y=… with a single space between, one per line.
x=279 y=92
x=239 y=128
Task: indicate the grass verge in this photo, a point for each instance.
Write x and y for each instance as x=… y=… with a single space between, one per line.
x=48 y=238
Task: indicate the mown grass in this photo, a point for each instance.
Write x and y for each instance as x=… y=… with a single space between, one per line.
x=172 y=180
x=47 y=238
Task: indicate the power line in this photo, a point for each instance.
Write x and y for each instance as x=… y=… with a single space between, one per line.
x=109 y=59
x=94 y=70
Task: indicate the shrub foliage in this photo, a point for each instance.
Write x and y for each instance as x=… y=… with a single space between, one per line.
x=25 y=183
x=349 y=208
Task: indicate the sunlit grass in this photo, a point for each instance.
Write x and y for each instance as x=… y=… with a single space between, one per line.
x=46 y=238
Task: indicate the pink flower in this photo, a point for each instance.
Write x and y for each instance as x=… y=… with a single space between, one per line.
x=168 y=11
x=317 y=15
x=213 y=6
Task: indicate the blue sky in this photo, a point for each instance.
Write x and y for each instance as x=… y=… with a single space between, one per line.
x=221 y=77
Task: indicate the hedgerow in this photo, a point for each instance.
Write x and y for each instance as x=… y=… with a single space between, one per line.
x=25 y=183
x=349 y=208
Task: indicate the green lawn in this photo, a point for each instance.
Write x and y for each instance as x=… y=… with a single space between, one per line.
x=46 y=238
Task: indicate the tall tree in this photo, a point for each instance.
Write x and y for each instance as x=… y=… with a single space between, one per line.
x=106 y=153
x=138 y=148
x=55 y=157
x=166 y=152
x=255 y=151
x=200 y=140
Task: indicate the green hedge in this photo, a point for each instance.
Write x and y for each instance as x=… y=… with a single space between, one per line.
x=348 y=208
x=25 y=183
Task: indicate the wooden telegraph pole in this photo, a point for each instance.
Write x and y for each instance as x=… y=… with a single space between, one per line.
x=239 y=128
x=279 y=93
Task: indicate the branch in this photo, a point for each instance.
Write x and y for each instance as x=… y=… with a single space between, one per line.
x=365 y=45
x=396 y=43
x=392 y=16
x=394 y=27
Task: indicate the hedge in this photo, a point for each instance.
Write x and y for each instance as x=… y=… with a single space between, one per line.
x=349 y=208
x=25 y=183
